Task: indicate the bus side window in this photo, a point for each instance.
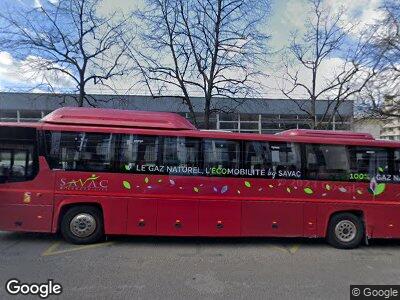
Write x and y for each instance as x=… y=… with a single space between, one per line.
x=221 y=153
x=80 y=151
x=285 y=159
x=257 y=155
x=396 y=162
x=18 y=155
x=181 y=151
x=366 y=162
x=5 y=165
x=137 y=151
x=327 y=162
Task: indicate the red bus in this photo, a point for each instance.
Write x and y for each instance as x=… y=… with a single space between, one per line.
x=94 y=172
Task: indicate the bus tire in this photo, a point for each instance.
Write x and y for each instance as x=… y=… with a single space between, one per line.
x=345 y=231
x=82 y=224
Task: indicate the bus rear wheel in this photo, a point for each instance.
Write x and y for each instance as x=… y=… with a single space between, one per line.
x=345 y=231
x=82 y=225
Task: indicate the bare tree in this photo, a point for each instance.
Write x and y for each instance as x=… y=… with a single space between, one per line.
x=324 y=38
x=381 y=98
x=68 y=38
x=208 y=47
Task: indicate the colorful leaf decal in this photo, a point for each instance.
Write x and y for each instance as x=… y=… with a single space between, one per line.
x=238 y=191
x=146 y=180
x=215 y=189
x=359 y=192
x=127 y=167
x=380 y=169
x=159 y=180
x=196 y=189
x=379 y=189
x=270 y=186
x=172 y=182
x=288 y=190
x=224 y=189
x=308 y=191
x=247 y=184
x=260 y=189
x=328 y=187
x=126 y=185
x=342 y=189
x=324 y=194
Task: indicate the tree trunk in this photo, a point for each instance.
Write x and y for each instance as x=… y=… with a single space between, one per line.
x=190 y=106
x=207 y=111
x=81 y=95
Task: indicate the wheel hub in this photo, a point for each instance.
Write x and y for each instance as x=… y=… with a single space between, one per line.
x=83 y=225
x=345 y=231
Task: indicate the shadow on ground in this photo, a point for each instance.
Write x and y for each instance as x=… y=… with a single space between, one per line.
x=45 y=238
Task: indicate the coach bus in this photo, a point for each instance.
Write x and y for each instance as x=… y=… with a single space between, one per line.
x=88 y=173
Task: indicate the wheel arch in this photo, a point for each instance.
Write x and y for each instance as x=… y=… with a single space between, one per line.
x=357 y=212
x=62 y=209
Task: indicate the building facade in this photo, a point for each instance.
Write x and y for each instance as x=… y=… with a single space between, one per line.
x=255 y=115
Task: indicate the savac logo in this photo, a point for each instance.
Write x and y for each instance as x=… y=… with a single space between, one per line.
x=92 y=183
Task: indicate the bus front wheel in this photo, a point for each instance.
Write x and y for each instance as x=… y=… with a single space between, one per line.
x=345 y=231
x=82 y=225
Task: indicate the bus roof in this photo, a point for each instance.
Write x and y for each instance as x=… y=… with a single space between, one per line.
x=336 y=134
x=118 y=118
x=150 y=123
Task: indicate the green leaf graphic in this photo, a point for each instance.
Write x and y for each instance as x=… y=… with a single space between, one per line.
x=380 y=188
x=380 y=169
x=126 y=185
x=308 y=191
x=247 y=184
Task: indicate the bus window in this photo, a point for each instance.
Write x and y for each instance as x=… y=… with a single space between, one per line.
x=285 y=157
x=137 y=151
x=80 y=151
x=181 y=151
x=327 y=162
x=396 y=162
x=257 y=155
x=221 y=154
x=366 y=162
x=18 y=161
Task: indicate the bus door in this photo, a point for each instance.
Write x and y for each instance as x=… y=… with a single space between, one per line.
x=26 y=183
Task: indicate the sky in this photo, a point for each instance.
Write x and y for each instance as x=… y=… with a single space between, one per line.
x=285 y=17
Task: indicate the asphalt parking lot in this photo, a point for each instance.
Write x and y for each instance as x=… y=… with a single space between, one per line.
x=182 y=268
